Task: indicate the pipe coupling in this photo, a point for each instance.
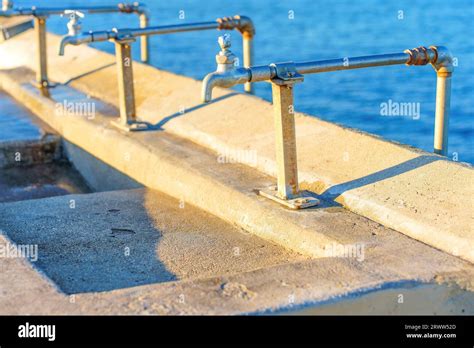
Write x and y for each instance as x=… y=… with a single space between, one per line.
x=421 y=56
x=438 y=56
x=135 y=7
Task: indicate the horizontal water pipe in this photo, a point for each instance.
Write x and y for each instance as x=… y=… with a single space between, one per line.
x=242 y=24
x=284 y=75
x=40 y=15
x=123 y=38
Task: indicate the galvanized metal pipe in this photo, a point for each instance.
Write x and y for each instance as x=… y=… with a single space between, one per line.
x=144 y=42
x=49 y=11
x=126 y=36
x=437 y=56
x=315 y=67
x=443 y=100
x=284 y=75
x=248 y=58
x=241 y=23
x=41 y=15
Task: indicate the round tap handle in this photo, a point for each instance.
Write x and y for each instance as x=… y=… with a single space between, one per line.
x=7 y=5
x=74 y=24
x=224 y=42
x=226 y=59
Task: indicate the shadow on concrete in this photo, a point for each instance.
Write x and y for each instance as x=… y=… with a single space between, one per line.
x=106 y=242
x=335 y=191
x=88 y=73
x=165 y=120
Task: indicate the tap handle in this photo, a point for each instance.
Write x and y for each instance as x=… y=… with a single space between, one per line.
x=74 y=25
x=225 y=58
x=224 y=42
x=7 y=5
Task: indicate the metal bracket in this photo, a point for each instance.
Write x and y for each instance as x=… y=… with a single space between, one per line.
x=287 y=191
x=286 y=74
x=41 y=82
x=128 y=119
x=303 y=200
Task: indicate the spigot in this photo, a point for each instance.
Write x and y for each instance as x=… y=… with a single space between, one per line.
x=74 y=35
x=7 y=5
x=74 y=25
x=74 y=40
x=226 y=74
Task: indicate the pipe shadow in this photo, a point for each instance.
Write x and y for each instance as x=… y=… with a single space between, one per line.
x=165 y=120
x=330 y=195
x=87 y=73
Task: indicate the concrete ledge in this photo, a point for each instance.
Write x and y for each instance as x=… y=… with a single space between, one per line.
x=28 y=152
x=181 y=169
x=416 y=193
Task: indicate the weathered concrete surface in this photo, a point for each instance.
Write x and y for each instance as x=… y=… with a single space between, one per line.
x=30 y=152
x=189 y=172
x=416 y=193
x=121 y=239
x=184 y=261
x=40 y=181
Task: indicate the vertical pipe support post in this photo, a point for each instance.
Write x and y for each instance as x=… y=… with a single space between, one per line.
x=42 y=81
x=128 y=118
x=287 y=191
x=247 y=44
x=443 y=101
x=144 y=40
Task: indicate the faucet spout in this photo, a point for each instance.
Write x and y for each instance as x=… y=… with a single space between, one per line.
x=223 y=79
x=73 y=40
x=226 y=75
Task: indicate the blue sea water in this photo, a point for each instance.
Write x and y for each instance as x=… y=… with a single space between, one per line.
x=301 y=30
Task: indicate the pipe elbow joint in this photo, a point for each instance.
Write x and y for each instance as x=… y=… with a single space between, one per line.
x=243 y=24
x=246 y=26
x=438 y=56
x=443 y=64
x=135 y=7
x=142 y=10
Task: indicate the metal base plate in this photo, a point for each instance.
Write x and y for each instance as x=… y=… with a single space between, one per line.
x=304 y=199
x=131 y=127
